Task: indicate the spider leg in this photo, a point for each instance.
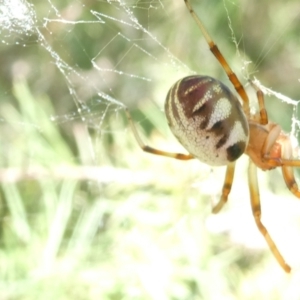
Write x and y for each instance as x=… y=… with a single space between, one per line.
x=270 y=140
x=261 y=103
x=287 y=171
x=256 y=210
x=219 y=56
x=226 y=187
x=148 y=149
x=285 y=160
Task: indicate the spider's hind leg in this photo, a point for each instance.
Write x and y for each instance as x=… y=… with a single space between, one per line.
x=219 y=56
x=151 y=150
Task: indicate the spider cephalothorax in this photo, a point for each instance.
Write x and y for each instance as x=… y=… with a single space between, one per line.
x=214 y=127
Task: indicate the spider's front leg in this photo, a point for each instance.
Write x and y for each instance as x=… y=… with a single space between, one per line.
x=226 y=187
x=256 y=210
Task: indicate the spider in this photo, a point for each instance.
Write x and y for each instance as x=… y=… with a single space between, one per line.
x=216 y=128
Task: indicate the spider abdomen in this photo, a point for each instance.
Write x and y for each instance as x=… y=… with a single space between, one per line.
x=207 y=119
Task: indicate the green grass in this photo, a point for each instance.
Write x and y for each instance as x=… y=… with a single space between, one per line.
x=85 y=214
x=133 y=227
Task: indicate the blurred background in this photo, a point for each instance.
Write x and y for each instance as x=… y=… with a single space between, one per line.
x=84 y=213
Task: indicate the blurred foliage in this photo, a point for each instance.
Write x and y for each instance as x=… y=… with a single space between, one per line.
x=84 y=213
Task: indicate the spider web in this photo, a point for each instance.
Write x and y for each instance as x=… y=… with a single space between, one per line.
x=131 y=59
x=82 y=62
x=94 y=81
